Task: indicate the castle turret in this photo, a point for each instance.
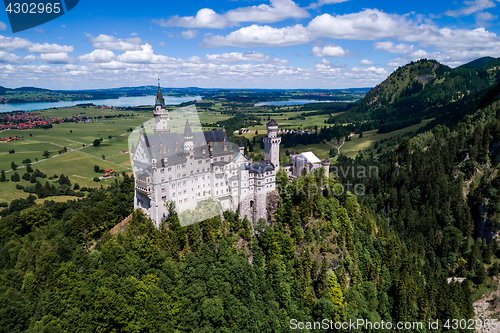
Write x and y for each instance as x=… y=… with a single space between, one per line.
x=326 y=165
x=241 y=147
x=160 y=113
x=188 y=137
x=272 y=144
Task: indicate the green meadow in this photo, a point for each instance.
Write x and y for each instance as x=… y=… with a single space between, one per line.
x=367 y=142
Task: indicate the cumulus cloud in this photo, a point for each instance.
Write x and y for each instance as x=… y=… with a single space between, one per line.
x=365 y=62
x=279 y=10
x=256 y=35
x=331 y=51
x=471 y=7
x=207 y=18
x=391 y=47
x=57 y=58
x=3 y=26
x=98 y=56
x=9 y=58
x=49 y=48
x=368 y=24
x=9 y=44
x=107 y=42
x=188 y=34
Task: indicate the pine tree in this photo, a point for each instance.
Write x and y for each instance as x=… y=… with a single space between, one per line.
x=2 y=176
x=336 y=294
x=15 y=177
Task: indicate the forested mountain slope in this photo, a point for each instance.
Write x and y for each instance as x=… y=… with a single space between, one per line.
x=323 y=256
x=426 y=89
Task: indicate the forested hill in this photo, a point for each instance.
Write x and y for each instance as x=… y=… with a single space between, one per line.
x=426 y=89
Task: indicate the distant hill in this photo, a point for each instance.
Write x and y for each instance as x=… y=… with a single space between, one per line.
x=478 y=62
x=426 y=89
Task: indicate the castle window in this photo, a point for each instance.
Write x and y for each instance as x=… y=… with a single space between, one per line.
x=175 y=142
x=153 y=146
x=161 y=144
x=203 y=151
x=200 y=161
x=222 y=158
x=175 y=148
x=160 y=151
x=162 y=171
x=163 y=179
x=169 y=169
x=168 y=149
x=201 y=144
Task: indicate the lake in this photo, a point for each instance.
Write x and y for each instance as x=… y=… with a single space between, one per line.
x=297 y=102
x=118 y=102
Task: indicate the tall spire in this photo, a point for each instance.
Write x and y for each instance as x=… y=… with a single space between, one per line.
x=159 y=96
x=188 y=135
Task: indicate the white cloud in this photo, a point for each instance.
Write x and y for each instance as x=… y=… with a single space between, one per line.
x=133 y=34
x=50 y=48
x=3 y=26
x=256 y=35
x=40 y=30
x=278 y=10
x=57 y=58
x=161 y=44
x=365 y=62
x=107 y=42
x=391 y=47
x=9 y=44
x=471 y=7
x=397 y=62
x=188 y=34
x=330 y=51
x=63 y=26
x=101 y=56
x=235 y=57
x=484 y=17
x=368 y=24
x=205 y=18
x=9 y=58
x=144 y=56
x=325 y=2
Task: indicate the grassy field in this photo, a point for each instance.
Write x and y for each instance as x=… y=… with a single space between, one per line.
x=367 y=142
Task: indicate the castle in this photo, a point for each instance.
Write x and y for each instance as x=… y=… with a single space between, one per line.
x=194 y=167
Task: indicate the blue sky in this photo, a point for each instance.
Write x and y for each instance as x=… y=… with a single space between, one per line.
x=245 y=43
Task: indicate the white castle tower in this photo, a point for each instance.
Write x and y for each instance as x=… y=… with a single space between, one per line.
x=272 y=144
x=160 y=114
